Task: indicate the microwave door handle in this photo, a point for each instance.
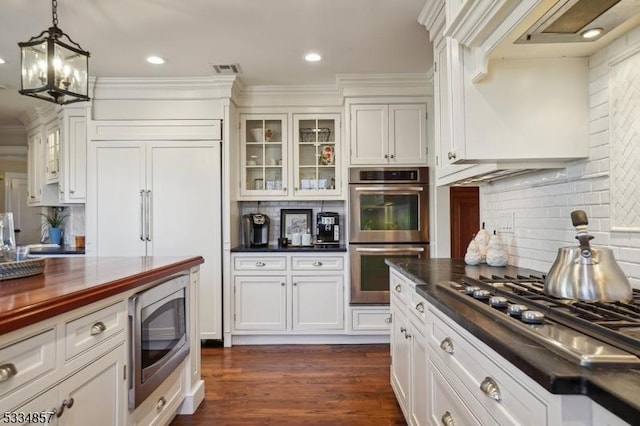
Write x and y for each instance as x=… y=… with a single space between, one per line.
x=389 y=250
x=389 y=188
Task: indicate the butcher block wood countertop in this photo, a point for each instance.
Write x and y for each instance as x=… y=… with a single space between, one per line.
x=72 y=282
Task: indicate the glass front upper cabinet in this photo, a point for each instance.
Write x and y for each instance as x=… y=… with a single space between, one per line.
x=264 y=154
x=316 y=151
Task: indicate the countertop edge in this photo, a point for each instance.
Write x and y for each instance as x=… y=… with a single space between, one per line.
x=31 y=314
x=578 y=382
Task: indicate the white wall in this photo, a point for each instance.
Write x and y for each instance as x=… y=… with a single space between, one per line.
x=542 y=202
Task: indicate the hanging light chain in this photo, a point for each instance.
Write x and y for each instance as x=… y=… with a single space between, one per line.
x=54 y=4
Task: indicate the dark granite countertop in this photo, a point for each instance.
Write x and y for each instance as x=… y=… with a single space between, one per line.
x=290 y=249
x=616 y=390
x=62 y=250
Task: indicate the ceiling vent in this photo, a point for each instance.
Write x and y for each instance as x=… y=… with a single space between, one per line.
x=567 y=20
x=227 y=69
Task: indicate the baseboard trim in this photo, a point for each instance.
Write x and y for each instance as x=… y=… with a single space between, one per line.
x=192 y=401
x=308 y=339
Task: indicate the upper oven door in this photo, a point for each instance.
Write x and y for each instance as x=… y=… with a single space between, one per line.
x=387 y=213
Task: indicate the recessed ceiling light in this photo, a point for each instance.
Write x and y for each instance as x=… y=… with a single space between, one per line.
x=2 y=61
x=591 y=33
x=156 y=60
x=312 y=57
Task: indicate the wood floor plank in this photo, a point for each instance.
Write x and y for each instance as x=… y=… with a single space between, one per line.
x=296 y=385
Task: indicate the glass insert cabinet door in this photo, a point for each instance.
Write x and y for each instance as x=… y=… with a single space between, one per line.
x=316 y=153
x=264 y=154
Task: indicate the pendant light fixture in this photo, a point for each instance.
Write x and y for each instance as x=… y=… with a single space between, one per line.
x=52 y=69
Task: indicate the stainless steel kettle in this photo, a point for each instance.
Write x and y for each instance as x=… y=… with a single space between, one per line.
x=586 y=273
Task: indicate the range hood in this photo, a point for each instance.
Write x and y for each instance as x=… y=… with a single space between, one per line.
x=569 y=21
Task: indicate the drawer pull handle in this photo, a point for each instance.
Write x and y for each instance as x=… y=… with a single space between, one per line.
x=317 y=263
x=7 y=371
x=447 y=419
x=399 y=288
x=420 y=307
x=65 y=403
x=161 y=403
x=447 y=346
x=98 y=328
x=403 y=330
x=490 y=388
x=451 y=155
x=407 y=335
x=261 y=264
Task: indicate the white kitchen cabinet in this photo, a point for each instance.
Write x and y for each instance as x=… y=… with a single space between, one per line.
x=289 y=293
x=410 y=372
x=52 y=154
x=40 y=193
x=388 y=134
x=72 y=181
x=93 y=395
x=445 y=405
x=280 y=160
x=370 y=320
x=160 y=199
x=260 y=303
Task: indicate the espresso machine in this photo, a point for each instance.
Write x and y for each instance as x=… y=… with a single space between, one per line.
x=328 y=229
x=255 y=230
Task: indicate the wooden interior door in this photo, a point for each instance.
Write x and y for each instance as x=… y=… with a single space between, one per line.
x=465 y=217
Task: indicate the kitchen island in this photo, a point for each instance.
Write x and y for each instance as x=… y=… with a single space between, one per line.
x=65 y=341
x=550 y=388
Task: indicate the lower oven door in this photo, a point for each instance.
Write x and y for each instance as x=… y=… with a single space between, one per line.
x=369 y=272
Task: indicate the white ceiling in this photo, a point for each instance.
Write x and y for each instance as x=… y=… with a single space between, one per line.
x=267 y=38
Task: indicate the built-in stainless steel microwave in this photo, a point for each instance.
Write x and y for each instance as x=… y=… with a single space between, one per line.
x=159 y=335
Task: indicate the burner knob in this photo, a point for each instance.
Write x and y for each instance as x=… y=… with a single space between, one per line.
x=532 y=317
x=516 y=310
x=481 y=294
x=498 y=302
x=471 y=289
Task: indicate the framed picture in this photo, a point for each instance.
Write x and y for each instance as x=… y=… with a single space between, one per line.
x=295 y=221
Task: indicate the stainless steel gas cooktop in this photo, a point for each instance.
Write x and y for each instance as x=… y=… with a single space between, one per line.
x=592 y=334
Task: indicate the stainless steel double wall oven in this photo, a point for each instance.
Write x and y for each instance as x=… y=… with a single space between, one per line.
x=388 y=217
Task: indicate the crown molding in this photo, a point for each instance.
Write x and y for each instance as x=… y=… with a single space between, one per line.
x=13 y=130
x=7 y=152
x=110 y=88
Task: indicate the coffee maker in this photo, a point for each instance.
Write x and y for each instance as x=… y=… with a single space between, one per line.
x=328 y=229
x=255 y=230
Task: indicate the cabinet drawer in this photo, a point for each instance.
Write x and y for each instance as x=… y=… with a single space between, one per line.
x=27 y=360
x=89 y=330
x=333 y=263
x=370 y=320
x=400 y=287
x=161 y=405
x=418 y=307
x=516 y=400
x=445 y=405
x=258 y=263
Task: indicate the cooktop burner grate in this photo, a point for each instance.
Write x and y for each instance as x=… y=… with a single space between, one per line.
x=593 y=333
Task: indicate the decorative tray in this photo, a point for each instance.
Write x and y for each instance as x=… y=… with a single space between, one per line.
x=21 y=268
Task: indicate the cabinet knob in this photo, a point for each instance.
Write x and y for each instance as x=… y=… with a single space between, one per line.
x=282 y=284
x=490 y=388
x=420 y=307
x=451 y=155
x=295 y=284
x=98 y=328
x=7 y=371
x=161 y=403
x=317 y=263
x=284 y=189
x=447 y=419
x=386 y=156
x=65 y=403
x=260 y=264
x=447 y=346
x=399 y=288
x=387 y=320
x=392 y=156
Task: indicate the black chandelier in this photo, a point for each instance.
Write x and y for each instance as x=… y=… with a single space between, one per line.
x=54 y=70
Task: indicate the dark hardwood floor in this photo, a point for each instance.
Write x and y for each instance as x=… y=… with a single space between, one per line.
x=296 y=385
